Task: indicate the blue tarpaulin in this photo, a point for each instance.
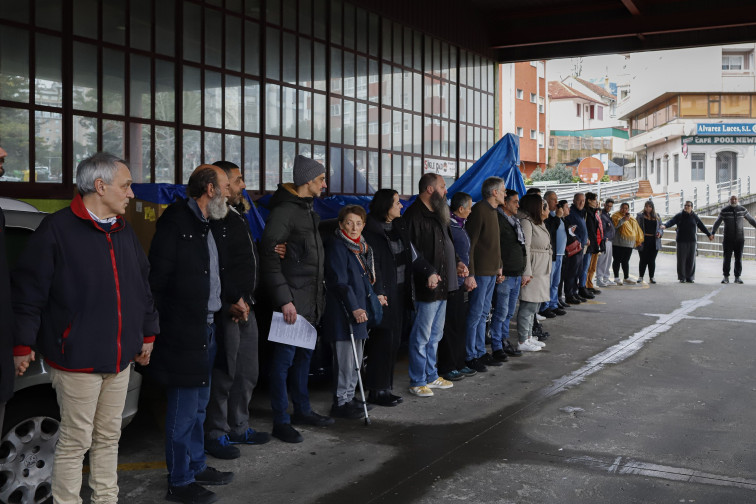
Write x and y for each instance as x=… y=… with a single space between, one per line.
x=501 y=160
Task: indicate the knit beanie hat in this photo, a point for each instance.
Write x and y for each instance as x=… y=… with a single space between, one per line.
x=306 y=169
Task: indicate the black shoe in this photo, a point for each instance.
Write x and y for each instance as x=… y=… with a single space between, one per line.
x=357 y=403
x=563 y=304
x=190 y=494
x=542 y=336
x=547 y=313
x=738 y=280
x=348 y=411
x=382 y=398
x=690 y=281
x=286 y=433
x=212 y=476
x=488 y=360
x=476 y=365
x=581 y=298
x=221 y=448
x=683 y=281
x=651 y=280
x=311 y=418
x=453 y=375
x=560 y=312
x=573 y=300
x=583 y=292
x=726 y=280
x=250 y=437
x=500 y=356
x=511 y=350
x=594 y=291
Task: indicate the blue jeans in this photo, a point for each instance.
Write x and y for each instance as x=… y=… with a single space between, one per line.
x=479 y=305
x=583 y=273
x=507 y=293
x=556 y=277
x=292 y=363
x=423 y=342
x=184 y=434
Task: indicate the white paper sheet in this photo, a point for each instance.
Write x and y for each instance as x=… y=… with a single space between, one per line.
x=301 y=333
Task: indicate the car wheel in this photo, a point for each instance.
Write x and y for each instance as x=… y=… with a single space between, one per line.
x=27 y=448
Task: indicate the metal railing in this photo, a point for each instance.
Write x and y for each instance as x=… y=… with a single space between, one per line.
x=671 y=204
x=623 y=190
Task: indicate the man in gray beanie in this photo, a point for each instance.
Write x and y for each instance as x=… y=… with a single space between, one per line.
x=295 y=285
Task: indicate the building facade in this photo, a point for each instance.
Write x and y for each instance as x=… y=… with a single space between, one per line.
x=171 y=84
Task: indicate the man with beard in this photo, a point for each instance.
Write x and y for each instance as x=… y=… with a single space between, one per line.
x=187 y=257
x=295 y=286
x=234 y=375
x=428 y=220
x=734 y=238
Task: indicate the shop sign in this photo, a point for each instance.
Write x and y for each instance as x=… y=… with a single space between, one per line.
x=719 y=140
x=441 y=167
x=726 y=129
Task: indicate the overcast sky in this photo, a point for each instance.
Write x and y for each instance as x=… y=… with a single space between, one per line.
x=594 y=67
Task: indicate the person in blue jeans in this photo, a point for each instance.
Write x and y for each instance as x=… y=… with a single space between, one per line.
x=512 y=247
x=555 y=225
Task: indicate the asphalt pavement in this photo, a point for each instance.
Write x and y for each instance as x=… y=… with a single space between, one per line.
x=645 y=394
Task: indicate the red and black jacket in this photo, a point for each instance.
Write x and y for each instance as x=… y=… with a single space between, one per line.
x=81 y=294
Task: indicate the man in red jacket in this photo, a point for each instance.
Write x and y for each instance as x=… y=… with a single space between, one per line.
x=80 y=293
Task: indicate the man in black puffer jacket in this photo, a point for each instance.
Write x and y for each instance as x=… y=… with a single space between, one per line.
x=734 y=238
x=295 y=286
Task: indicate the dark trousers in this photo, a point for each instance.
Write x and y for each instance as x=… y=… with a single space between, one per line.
x=383 y=344
x=451 y=348
x=729 y=248
x=2 y=415
x=621 y=258
x=289 y=365
x=571 y=273
x=686 y=260
x=234 y=377
x=648 y=257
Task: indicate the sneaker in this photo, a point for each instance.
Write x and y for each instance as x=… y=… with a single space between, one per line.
x=287 y=433
x=738 y=280
x=726 y=280
x=500 y=356
x=534 y=341
x=651 y=280
x=440 y=383
x=690 y=281
x=682 y=281
x=641 y=281
x=250 y=436
x=466 y=371
x=348 y=411
x=193 y=493
x=527 y=346
x=601 y=282
x=221 y=448
x=476 y=365
x=423 y=391
x=559 y=312
x=212 y=476
x=487 y=360
x=453 y=375
x=547 y=313
x=311 y=418
x=617 y=281
x=540 y=317
x=629 y=280
x=608 y=282
x=511 y=350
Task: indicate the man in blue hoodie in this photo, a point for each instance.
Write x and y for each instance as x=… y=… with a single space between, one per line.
x=577 y=219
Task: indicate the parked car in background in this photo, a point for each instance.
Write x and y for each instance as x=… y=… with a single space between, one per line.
x=31 y=426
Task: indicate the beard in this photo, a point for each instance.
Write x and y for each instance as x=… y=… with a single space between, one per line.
x=440 y=208
x=216 y=208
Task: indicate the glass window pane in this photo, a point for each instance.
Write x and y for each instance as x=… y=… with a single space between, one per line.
x=319 y=19
x=335 y=120
x=336 y=21
x=436 y=137
x=362 y=31
x=361 y=125
x=396 y=170
x=444 y=99
x=417 y=138
x=192 y=29
x=233 y=43
x=272 y=109
x=289 y=17
x=289 y=58
x=48 y=88
x=48 y=150
x=14 y=132
x=14 y=64
x=348 y=26
x=305 y=62
x=348 y=172
x=336 y=174
x=453 y=101
x=407 y=132
x=233 y=149
x=407 y=93
x=251 y=48
x=397 y=92
x=192 y=96
x=272 y=54
x=289 y=111
x=349 y=74
x=418 y=51
x=319 y=117
x=251 y=106
x=304 y=114
x=288 y=153
x=165 y=97
x=453 y=64
x=140 y=97
x=372 y=170
x=319 y=154
x=407 y=176
x=336 y=71
x=48 y=14
x=373 y=81
x=408 y=47
x=140 y=151
x=213 y=34
x=213 y=100
x=319 y=57
x=417 y=172
x=304 y=149
x=84 y=138
x=462 y=67
x=113 y=138
x=140 y=26
x=348 y=122
x=273 y=11
x=113 y=14
x=452 y=140
x=233 y=102
x=417 y=90
x=84 y=17
x=444 y=139
x=165 y=154
x=213 y=147
x=360 y=169
x=386 y=129
x=165 y=27
x=374 y=23
x=272 y=164
x=305 y=17
x=397 y=43
x=192 y=153
x=385 y=171
x=397 y=129
x=427 y=136
x=252 y=8
x=15 y=11
x=252 y=163
x=112 y=82
x=736 y=105
x=386 y=85
x=462 y=141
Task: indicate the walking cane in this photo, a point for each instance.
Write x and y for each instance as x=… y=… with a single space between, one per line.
x=356 y=363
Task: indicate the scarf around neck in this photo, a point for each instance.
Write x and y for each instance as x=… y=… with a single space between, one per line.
x=363 y=252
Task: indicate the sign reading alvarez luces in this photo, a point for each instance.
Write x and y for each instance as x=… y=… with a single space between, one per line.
x=726 y=129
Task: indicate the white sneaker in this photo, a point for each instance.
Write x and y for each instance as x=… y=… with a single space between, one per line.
x=617 y=281
x=641 y=281
x=536 y=342
x=540 y=317
x=608 y=282
x=527 y=346
x=629 y=280
x=601 y=282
